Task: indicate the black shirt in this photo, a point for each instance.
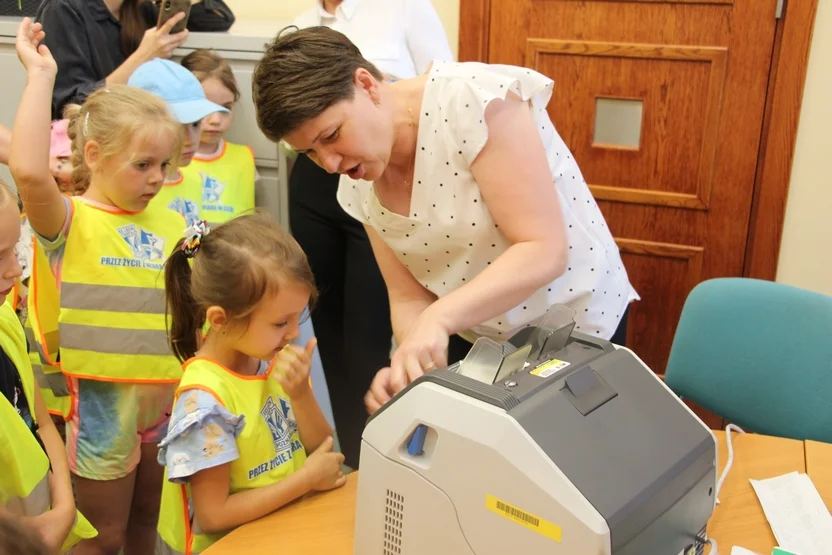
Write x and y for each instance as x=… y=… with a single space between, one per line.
x=12 y=389
x=85 y=39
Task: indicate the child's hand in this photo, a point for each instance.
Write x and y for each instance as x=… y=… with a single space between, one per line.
x=324 y=467
x=32 y=54
x=292 y=366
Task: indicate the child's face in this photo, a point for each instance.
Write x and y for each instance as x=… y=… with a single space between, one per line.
x=10 y=268
x=275 y=323
x=61 y=170
x=190 y=142
x=133 y=177
x=216 y=125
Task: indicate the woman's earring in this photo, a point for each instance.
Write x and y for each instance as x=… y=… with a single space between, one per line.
x=377 y=101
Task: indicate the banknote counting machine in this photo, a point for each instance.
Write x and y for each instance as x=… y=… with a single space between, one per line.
x=552 y=443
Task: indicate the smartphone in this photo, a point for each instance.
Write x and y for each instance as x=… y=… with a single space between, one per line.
x=169 y=8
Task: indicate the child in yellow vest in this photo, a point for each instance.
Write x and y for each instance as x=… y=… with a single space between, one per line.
x=227 y=170
x=35 y=487
x=240 y=429
x=106 y=249
x=178 y=87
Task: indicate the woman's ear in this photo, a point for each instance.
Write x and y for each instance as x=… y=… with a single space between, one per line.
x=365 y=81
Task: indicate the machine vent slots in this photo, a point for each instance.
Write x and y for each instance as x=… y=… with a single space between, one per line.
x=393 y=514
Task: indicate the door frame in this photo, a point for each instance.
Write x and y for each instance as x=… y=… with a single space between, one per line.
x=784 y=97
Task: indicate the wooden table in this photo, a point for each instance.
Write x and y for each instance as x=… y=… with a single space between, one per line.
x=323 y=524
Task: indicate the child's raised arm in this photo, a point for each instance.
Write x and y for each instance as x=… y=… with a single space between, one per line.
x=29 y=152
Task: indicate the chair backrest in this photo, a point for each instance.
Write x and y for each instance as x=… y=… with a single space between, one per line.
x=759 y=354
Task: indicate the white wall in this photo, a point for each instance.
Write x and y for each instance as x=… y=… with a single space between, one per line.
x=806 y=250
x=286 y=10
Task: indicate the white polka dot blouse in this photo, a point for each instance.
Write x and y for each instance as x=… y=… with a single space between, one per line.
x=449 y=235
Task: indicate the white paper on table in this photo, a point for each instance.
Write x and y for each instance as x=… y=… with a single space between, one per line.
x=737 y=550
x=796 y=513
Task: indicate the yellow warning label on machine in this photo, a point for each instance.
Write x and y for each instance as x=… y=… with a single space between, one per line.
x=530 y=521
x=549 y=367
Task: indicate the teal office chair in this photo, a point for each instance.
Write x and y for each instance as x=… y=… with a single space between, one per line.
x=759 y=354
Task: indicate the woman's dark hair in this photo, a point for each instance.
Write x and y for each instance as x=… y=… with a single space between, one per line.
x=133 y=26
x=236 y=265
x=303 y=73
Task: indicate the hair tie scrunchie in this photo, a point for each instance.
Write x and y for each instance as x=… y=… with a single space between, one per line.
x=193 y=237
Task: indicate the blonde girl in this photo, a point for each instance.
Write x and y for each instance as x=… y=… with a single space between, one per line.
x=227 y=169
x=245 y=416
x=35 y=486
x=106 y=249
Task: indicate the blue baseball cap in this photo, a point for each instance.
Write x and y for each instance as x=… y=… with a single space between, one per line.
x=177 y=86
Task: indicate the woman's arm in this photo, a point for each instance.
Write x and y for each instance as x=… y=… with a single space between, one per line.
x=78 y=78
x=528 y=213
x=408 y=298
x=515 y=182
x=426 y=38
x=156 y=43
x=29 y=153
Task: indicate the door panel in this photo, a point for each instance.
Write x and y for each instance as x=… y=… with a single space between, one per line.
x=688 y=81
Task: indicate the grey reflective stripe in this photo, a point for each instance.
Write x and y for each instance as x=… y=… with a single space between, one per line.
x=54 y=381
x=40 y=377
x=30 y=336
x=112 y=298
x=163 y=548
x=36 y=503
x=57 y=383
x=115 y=341
x=35 y=344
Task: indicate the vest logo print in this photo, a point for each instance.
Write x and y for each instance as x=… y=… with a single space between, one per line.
x=188 y=209
x=282 y=427
x=148 y=249
x=212 y=190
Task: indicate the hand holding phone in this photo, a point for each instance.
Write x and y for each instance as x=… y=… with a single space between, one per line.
x=169 y=8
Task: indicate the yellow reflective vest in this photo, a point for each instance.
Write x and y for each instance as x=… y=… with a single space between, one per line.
x=41 y=329
x=269 y=446
x=112 y=322
x=183 y=195
x=227 y=182
x=24 y=483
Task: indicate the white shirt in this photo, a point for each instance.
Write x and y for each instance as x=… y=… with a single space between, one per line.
x=401 y=37
x=450 y=237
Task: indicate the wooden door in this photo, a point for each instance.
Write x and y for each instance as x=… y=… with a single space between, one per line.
x=689 y=77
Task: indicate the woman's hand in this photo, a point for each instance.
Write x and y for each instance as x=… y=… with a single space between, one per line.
x=159 y=43
x=425 y=348
x=292 y=367
x=34 y=56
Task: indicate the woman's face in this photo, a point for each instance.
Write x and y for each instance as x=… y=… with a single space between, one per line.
x=352 y=137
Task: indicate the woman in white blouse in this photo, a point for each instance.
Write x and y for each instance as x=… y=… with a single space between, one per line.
x=352 y=317
x=478 y=215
